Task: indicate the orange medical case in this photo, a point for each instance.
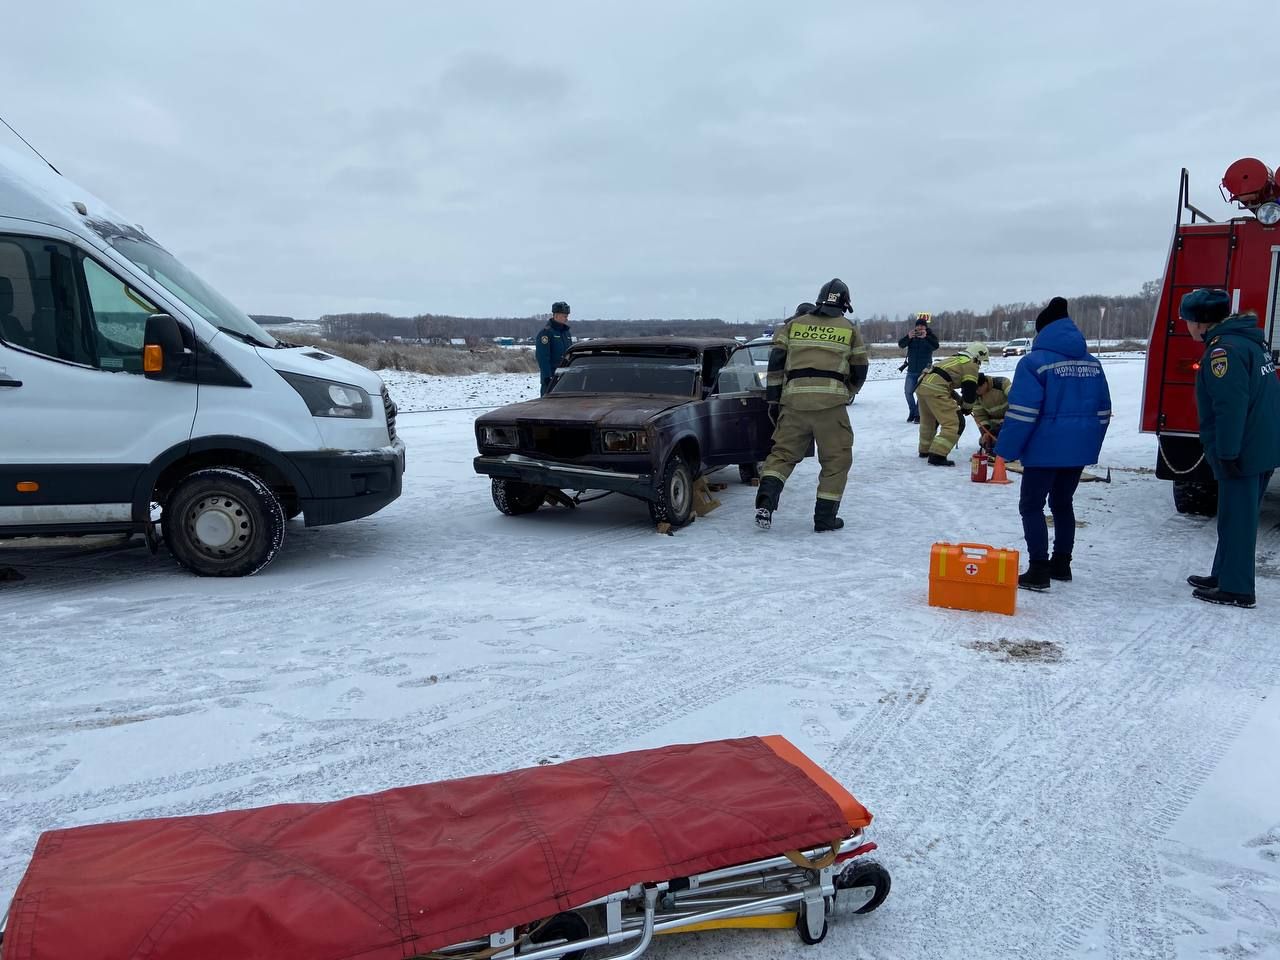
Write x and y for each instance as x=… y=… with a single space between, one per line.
x=973 y=576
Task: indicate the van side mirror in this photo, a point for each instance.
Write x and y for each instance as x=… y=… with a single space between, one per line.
x=162 y=348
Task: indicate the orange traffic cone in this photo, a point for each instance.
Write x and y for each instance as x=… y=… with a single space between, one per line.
x=998 y=474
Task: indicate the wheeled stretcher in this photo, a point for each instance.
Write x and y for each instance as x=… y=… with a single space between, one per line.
x=600 y=855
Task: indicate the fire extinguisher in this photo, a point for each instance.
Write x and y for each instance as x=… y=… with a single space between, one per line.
x=978 y=467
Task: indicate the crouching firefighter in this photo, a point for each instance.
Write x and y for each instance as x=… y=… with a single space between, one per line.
x=817 y=364
x=942 y=408
x=990 y=408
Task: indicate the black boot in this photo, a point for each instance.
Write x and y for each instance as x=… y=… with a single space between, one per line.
x=767 y=495
x=1203 y=583
x=938 y=460
x=1214 y=595
x=1060 y=567
x=1036 y=577
x=925 y=455
x=824 y=516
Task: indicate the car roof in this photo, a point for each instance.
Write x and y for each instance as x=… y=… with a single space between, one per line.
x=654 y=344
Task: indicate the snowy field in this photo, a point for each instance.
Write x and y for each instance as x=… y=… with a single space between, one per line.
x=1115 y=794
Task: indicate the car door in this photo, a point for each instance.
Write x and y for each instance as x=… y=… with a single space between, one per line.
x=79 y=422
x=738 y=425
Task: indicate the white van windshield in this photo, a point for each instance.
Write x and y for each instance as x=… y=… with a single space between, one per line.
x=162 y=267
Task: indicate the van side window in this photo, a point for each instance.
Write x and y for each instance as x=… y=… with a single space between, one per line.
x=40 y=308
x=120 y=318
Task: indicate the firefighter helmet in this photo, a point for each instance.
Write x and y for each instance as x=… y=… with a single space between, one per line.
x=978 y=352
x=834 y=295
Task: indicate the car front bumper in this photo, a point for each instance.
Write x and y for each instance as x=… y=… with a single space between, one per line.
x=564 y=476
x=349 y=484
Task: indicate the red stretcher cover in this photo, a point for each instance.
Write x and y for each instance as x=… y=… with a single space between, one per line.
x=398 y=873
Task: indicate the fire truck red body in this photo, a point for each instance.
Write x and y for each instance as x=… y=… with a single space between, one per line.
x=1242 y=256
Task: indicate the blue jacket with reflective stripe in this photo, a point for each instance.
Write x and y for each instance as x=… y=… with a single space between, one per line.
x=1059 y=405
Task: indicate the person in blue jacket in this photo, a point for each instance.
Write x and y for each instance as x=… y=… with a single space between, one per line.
x=1059 y=410
x=1238 y=400
x=552 y=343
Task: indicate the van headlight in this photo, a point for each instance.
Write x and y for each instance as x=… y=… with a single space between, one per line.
x=625 y=441
x=328 y=398
x=498 y=436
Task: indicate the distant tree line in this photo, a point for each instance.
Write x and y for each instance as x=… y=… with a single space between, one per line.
x=430 y=327
x=1108 y=318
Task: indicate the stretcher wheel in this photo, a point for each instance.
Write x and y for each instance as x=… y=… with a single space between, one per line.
x=802 y=926
x=865 y=873
x=563 y=926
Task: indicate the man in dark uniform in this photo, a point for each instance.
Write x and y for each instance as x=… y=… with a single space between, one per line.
x=817 y=362
x=552 y=343
x=1238 y=399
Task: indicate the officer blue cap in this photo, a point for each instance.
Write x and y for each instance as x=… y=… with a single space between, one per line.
x=1206 y=305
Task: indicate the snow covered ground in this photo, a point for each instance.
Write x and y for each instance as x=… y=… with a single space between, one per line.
x=1114 y=795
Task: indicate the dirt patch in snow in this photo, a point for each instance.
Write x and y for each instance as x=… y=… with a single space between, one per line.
x=1021 y=651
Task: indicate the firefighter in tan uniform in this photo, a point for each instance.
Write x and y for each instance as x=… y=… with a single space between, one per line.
x=942 y=408
x=990 y=407
x=818 y=362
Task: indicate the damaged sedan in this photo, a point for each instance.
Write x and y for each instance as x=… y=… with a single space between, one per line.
x=645 y=417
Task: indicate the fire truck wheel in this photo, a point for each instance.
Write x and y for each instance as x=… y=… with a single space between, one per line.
x=1195 y=497
x=563 y=926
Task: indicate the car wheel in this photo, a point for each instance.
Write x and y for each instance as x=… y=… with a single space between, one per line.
x=223 y=522
x=674 y=503
x=515 y=498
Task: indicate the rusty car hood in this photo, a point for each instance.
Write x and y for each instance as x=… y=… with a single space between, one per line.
x=594 y=408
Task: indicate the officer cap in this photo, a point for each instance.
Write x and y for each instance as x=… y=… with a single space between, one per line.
x=560 y=307
x=1206 y=305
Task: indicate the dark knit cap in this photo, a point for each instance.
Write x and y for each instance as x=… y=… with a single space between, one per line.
x=1056 y=310
x=1206 y=305
x=921 y=322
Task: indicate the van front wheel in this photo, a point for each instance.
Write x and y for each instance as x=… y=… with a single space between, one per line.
x=223 y=522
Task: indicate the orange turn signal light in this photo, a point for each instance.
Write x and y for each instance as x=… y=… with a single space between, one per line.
x=152 y=358
x=28 y=486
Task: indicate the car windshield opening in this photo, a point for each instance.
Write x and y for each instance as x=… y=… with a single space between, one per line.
x=162 y=267
x=628 y=374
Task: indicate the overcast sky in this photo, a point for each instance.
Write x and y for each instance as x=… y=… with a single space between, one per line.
x=647 y=159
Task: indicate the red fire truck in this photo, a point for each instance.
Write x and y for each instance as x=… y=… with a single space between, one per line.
x=1241 y=256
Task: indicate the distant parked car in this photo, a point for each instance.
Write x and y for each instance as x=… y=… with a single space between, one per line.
x=644 y=417
x=1016 y=348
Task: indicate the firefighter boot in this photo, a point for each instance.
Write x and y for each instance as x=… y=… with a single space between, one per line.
x=1036 y=577
x=938 y=460
x=1060 y=566
x=767 y=495
x=824 y=516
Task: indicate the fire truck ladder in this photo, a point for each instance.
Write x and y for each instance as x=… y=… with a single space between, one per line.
x=1171 y=317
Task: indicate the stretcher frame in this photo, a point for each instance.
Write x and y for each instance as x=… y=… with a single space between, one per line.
x=797 y=889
